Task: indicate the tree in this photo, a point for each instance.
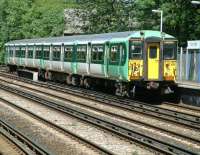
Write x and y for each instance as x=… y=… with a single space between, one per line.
x=21 y=19
x=43 y=21
x=106 y=15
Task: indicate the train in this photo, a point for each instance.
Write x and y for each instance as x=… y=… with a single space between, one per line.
x=122 y=61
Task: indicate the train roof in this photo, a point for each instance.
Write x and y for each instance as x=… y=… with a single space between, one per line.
x=93 y=38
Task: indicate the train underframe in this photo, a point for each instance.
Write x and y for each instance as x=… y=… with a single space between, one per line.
x=131 y=89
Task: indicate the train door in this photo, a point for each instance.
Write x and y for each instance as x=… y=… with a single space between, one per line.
x=88 y=57
x=153 y=60
x=114 y=61
x=74 y=60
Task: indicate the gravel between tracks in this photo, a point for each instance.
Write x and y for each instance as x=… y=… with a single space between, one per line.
x=55 y=142
x=100 y=137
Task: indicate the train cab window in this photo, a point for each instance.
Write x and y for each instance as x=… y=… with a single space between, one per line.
x=135 y=50
x=169 y=51
x=38 y=52
x=46 y=50
x=113 y=53
x=30 y=52
x=56 y=53
x=81 y=53
x=153 y=52
x=97 y=53
x=68 y=53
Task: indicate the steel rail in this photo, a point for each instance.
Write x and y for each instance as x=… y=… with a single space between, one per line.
x=111 y=98
x=63 y=130
x=20 y=140
x=158 y=145
x=197 y=141
x=189 y=107
x=139 y=108
x=178 y=116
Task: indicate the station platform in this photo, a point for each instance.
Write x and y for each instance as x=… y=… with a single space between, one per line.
x=188 y=84
x=189 y=92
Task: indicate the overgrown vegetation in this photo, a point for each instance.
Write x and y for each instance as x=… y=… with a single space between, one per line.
x=21 y=19
x=180 y=17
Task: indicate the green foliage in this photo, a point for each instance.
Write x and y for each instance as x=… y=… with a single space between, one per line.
x=42 y=21
x=180 y=17
x=106 y=15
x=21 y=19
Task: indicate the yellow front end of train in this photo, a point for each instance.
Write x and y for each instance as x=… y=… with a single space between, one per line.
x=153 y=62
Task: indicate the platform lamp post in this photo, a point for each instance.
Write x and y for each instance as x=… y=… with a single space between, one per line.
x=195 y=2
x=161 y=18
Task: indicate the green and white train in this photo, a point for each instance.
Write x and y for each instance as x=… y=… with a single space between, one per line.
x=121 y=60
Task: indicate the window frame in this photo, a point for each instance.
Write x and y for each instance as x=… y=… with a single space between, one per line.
x=36 y=52
x=29 y=50
x=103 y=53
x=23 y=51
x=137 y=43
x=17 y=51
x=150 y=53
x=57 y=58
x=10 y=51
x=174 y=44
x=124 y=54
x=45 y=51
x=67 y=59
x=85 y=53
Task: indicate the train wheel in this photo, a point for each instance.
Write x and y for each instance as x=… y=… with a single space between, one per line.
x=121 y=90
x=75 y=81
x=87 y=83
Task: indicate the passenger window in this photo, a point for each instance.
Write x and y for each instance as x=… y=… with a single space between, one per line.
x=17 y=51
x=38 y=52
x=30 y=52
x=23 y=52
x=81 y=52
x=46 y=51
x=113 y=53
x=56 y=53
x=97 y=53
x=135 y=50
x=153 y=52
x=68 y=53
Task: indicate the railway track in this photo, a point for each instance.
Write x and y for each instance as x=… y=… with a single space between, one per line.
x=196 y=141
x=86 y=142
x=122 y=131
x=188 y=120
x=26 y=145
x=185 y=108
